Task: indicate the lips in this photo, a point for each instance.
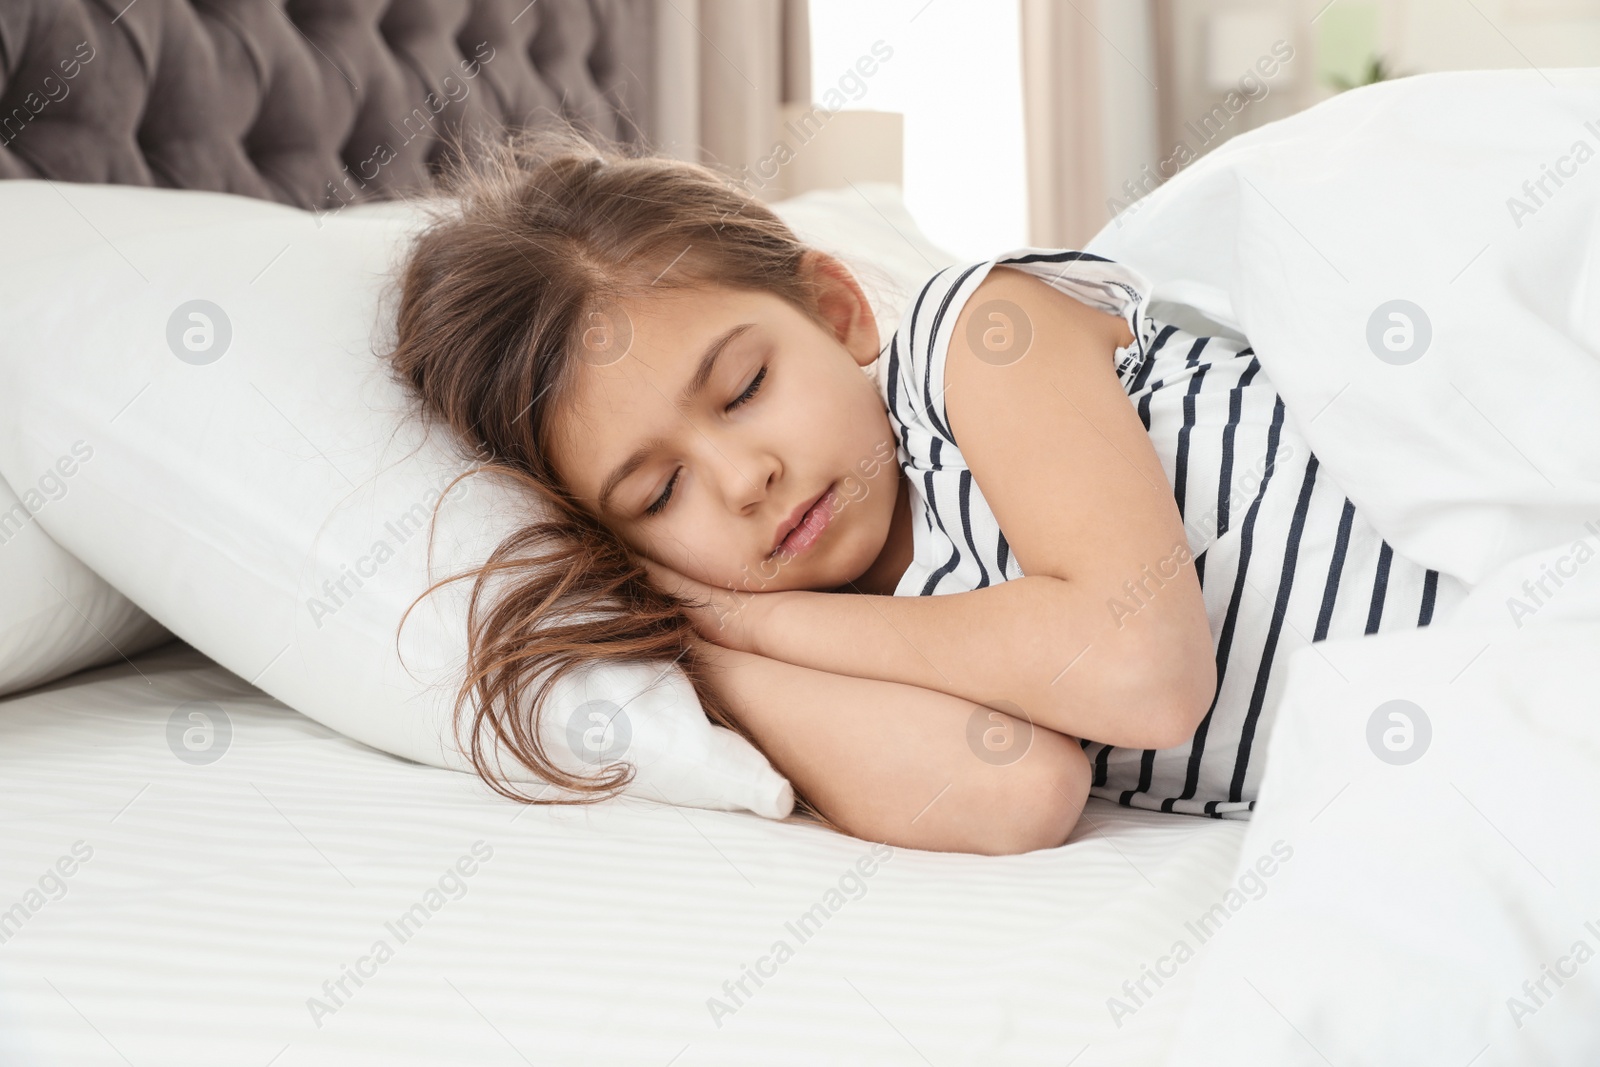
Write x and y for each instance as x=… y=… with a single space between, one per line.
x=795 y=518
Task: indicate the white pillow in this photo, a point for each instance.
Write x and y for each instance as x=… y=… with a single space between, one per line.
x=228 y=497
x=56 y=615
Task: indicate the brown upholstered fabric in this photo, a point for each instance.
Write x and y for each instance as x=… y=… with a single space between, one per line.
x=314 y=103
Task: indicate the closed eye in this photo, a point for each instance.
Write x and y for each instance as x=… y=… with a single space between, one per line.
x=755 y=387
x=744 y=397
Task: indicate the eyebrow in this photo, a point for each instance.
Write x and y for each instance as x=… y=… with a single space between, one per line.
x=697 y=383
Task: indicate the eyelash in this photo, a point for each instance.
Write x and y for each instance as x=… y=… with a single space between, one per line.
x=744 y=397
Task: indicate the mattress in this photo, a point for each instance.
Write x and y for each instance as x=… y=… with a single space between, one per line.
x=304 y=899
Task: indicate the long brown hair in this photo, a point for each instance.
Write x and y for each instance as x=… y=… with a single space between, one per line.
x=527 y=238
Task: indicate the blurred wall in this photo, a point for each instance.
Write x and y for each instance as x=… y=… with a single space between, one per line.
x=1228 y=66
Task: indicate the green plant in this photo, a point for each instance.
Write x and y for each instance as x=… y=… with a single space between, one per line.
x=1376 y=71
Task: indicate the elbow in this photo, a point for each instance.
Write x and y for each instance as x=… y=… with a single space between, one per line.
x=1181 y=703
x=1046 y=797
x=1173 y=689
x=1151 y=687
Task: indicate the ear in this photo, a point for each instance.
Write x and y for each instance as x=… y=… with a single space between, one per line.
x=844 y=306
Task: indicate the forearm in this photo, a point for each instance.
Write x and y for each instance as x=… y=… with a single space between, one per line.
x=1050 y=647
x=896 y=763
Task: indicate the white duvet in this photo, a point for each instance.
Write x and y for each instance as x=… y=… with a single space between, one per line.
x=1484 y=446
x=1440 y=788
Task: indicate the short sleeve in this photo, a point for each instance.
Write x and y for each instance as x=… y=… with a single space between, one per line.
x=913 y=383
x=914 y=375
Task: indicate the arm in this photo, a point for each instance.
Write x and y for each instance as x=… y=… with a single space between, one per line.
x=1049 y=646
x=890 y=762
x=1107 y=635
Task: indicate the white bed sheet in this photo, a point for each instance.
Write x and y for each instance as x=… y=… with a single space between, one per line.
x=219 y=898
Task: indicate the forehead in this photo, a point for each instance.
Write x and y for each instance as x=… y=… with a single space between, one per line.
x=657 y=340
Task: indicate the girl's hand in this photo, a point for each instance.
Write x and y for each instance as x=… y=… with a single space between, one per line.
x=722 y=616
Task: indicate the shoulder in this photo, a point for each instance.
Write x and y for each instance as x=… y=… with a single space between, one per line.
x=1026 y=339
x=987 y=310
x=1012 y=303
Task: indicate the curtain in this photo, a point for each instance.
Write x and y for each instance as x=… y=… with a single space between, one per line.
x=723 y=71
x=1061 y=111
x=1092 y=113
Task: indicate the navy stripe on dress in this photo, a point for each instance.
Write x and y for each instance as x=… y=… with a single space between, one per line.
x=1280 y=606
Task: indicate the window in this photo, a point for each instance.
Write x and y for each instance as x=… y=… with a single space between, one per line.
x=956 y=76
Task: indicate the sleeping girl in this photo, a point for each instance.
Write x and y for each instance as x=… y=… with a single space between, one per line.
x=1037 y=547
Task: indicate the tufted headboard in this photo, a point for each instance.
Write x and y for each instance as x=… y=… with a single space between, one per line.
x=314 y=103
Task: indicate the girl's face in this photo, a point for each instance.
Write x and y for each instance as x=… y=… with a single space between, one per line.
x=703 y=418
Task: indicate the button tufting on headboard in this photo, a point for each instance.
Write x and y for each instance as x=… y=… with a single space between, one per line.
x=314 y=103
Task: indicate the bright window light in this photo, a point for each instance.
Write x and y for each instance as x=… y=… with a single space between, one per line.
x=956 y=76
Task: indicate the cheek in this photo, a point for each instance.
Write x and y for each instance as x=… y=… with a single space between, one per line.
x=853 y=488
x=697 y=546
x=819 y=390
x=871 y=438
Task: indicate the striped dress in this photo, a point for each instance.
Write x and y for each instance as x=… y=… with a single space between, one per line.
x=1283 y=557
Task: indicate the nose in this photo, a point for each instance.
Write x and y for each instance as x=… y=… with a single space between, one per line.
x=745 y=475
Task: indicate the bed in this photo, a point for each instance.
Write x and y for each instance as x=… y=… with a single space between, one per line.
x=311 y=899
x=221 y=901
x=232 y=910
